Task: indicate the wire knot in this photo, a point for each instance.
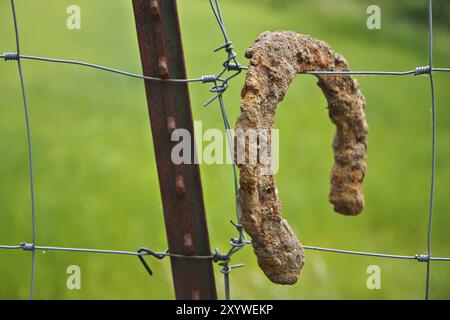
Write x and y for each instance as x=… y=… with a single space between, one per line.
x=423 y=70
x=226 y=268
x=227 y=46
x=8 y=56
x=218 y=89
x=220 y=256
x=209 y=78
x=146 y=252
x=27 y=246
x=240 y=242
x=422 y=257
x=234 y=67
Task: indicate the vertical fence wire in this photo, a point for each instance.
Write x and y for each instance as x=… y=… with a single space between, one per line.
x=433 y=151
x=30 y=149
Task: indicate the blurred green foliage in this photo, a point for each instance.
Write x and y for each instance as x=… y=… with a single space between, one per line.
x=96 y=177
x=411 y=10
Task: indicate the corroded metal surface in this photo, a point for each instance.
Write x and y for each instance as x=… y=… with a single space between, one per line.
x=275 y=59
x=169 y=107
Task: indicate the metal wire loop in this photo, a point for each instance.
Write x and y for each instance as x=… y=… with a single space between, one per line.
x=209 y=78
x=423 y=70
x=220 y=257
x=27 y=246
x=147 y=252
x=8 y=56
x=234 y=67
x=423 y=257
x=228 y=46
x=227 y=268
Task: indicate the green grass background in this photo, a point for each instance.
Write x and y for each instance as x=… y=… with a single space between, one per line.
x=96 y=181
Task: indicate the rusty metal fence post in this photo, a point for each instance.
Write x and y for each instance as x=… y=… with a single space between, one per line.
x=169 y=107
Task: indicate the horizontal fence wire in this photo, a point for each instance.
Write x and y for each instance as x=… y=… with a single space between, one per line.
x=30 y=247
x=8 y=56
x=15 y=56
x=220 y=86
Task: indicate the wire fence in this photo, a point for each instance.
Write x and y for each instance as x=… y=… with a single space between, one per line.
x=231 y=68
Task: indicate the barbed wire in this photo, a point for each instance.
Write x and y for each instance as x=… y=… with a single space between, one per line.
x=231 y=68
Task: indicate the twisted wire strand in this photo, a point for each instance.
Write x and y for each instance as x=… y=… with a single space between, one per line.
x=231 y=63
x=218 y=14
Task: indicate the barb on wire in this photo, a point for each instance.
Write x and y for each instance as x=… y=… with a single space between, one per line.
x=158 y=256
x=222 y=259
x=231 y=63
x=220 y=84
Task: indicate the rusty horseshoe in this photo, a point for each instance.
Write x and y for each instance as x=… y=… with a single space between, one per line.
x=275 y=59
